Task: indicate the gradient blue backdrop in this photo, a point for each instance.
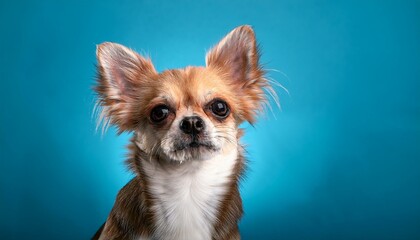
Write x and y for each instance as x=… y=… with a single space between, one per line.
x=341 y=160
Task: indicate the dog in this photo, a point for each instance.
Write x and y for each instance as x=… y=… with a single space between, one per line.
x=185 y=150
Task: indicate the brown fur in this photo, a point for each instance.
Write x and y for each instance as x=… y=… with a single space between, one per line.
x=128 y=91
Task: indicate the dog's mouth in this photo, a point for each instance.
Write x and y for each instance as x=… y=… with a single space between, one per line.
x=192 y=148
x=194 y=144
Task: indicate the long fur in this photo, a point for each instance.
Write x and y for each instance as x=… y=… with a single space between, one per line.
x=193 y=194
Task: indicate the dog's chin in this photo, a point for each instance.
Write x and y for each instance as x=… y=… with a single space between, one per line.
x=192 y=152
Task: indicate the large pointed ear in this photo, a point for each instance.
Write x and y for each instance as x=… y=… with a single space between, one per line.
x=236 y=55
x=121 y=73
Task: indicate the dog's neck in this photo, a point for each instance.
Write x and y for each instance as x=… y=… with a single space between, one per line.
x=189 y=199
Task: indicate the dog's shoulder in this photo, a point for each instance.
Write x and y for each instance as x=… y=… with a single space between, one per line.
x=129 y=217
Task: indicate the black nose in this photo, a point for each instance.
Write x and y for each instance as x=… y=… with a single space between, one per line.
x=192 y=125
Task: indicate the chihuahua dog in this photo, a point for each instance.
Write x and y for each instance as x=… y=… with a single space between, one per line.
x=185 y=149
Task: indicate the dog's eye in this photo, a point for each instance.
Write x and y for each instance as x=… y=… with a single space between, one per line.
x=159 y=113
x=220 y=108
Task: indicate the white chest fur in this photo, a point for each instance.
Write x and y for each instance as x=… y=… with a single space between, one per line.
x=188 y=196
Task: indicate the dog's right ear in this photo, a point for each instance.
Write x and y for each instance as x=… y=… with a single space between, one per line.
x=121 y=73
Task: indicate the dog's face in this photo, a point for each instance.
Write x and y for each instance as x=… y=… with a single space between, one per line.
x=190 y=116
x=183 y=114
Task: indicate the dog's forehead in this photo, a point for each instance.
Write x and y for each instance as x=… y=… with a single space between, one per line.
x=191 y=86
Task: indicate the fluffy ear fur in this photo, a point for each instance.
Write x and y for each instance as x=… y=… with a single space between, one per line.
x=236 y=55
x=121 y=73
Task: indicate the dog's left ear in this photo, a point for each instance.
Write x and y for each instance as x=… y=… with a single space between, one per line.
x=236 y=55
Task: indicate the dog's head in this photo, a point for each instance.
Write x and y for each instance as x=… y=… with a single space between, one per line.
x=183 y=114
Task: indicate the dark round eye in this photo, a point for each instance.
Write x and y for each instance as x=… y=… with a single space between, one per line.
x=159 y=113
x=220 y=108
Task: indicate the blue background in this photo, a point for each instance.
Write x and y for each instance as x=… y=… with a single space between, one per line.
x=340 y=160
